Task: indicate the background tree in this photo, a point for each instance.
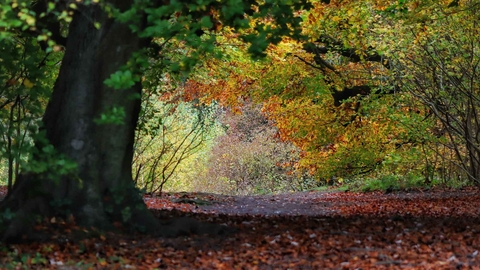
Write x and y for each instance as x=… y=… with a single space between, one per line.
x=437 y=61
x=169 y=135
x=25 y=86
x=392 y=65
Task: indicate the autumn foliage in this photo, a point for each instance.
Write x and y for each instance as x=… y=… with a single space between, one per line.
x=345 y=97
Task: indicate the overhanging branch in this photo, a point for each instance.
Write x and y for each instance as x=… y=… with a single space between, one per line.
x=354 y=55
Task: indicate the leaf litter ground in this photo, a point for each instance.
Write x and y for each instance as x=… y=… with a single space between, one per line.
x=436 y=229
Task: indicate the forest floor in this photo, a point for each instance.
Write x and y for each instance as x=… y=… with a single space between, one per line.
x=434 y=229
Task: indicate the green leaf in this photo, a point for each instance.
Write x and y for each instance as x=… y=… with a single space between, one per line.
x=121 y=80
x=115 y=116
x=206 y=22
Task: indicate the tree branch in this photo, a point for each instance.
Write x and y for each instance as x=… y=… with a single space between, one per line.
x=332 y=45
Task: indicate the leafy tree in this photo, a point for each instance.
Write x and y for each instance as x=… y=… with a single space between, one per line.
x=436 y=61
x=335 y=97
x=399 y=63
x=26 y=82
x=356 y=98
x=315 y=107
x=92 y=114
x=168 y=135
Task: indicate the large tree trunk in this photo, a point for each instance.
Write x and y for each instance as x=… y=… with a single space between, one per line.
x=103 y=191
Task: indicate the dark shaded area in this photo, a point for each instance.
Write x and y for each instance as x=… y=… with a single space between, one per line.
x=48 y=22
x=329 y=44
x=349 y=92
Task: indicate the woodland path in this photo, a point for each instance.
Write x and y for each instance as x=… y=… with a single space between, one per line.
x=439 y=202
x=292 y=204
x=436 y=229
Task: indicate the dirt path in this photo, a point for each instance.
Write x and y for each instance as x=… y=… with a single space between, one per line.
x=435 y=229
x=332 y=203
x=291 y=204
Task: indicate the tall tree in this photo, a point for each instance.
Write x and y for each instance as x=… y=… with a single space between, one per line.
x=103 y=153
x=92 y=123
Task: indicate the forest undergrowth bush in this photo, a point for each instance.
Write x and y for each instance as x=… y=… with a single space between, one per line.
x=248 y=159
x=399 y=183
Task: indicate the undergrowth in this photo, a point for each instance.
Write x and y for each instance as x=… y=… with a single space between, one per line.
x=393 y=182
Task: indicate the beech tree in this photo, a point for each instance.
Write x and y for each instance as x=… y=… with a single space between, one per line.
x=92 y=114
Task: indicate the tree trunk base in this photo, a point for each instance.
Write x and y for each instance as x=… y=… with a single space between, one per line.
x=32 y=202
x=29 y=215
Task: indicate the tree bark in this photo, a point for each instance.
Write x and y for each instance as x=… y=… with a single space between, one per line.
x=103 y=191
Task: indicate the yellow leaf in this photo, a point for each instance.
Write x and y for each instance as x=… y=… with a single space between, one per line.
x=30 y=20
x=336 y=19
x=28 y=83
x=57 y=48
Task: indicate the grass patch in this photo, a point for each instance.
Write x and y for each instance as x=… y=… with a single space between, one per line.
x=331 y=188
x=394 y=182
x=389 y=183
x=320 y=188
